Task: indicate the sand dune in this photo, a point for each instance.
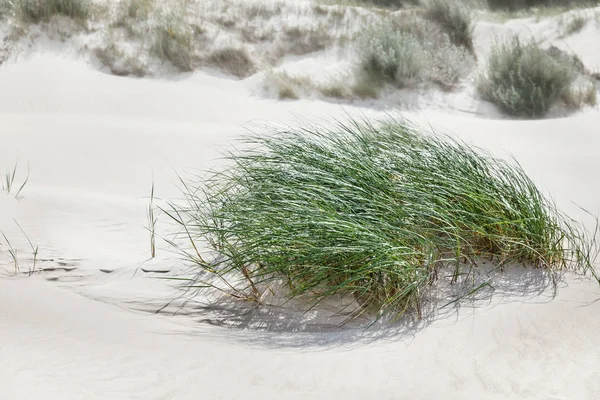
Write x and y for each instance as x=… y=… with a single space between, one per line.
x=95 y=143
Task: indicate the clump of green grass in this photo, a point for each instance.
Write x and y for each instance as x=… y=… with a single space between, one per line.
x=523 y=79
x=39 y=10
x=375 y=212
x=173 y=41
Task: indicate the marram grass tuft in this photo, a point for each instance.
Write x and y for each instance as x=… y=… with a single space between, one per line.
x=369 y=211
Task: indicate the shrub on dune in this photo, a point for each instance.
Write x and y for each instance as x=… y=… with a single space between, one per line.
x=394 y=56
x=523 y=79
x=410 y=54
x=374 y=212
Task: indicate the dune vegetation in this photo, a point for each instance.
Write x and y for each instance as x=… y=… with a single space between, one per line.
x=526 y=80
x=386 y=46
x=375 y=212
x=410 y=54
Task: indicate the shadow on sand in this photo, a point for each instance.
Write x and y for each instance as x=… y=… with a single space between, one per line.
x=290 y=325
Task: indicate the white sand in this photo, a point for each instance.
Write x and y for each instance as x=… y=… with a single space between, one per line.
x=94 y=144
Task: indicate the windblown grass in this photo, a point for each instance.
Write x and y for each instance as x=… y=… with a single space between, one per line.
x=375 y=212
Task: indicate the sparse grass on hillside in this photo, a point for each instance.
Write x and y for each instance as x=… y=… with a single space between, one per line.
x=233 y=60
x=119 y=63
x=136 y=9
x=35 y=11
x=335 y=91
x=386 y=4
x=574 y=25
x=523 y=79
x=365 y=89
x=5 y=8
x=131 y=12
x=291 y=87
x=263 y=10
x=173 y=41
x=583 y=94
x=455 y=18
x=299 y=41
x=287 y=92
x=256 y=34
x=550 y=6
x=375 y=212
x=286 y=86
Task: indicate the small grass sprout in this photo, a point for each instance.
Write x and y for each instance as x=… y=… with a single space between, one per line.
x=8 y=181
x=152 y=223
x=13 y=252
x=34 y=249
